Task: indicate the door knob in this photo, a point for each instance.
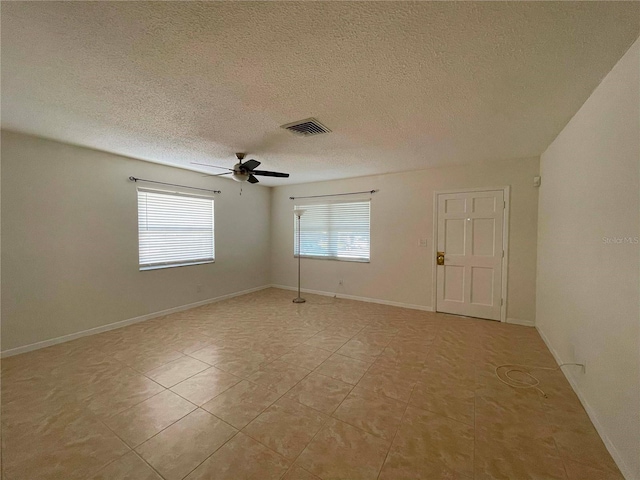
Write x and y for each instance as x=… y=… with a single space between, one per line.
x=440 y=258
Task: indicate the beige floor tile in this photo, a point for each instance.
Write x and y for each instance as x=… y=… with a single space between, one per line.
x=392 y=359
x=272 y=351
x=139 y=423
x=495 y=460
x=286 y=427
x=205 y=385
x=175 y=372
x=70 y=445
x=346 y=369
x=279 y=376
x=241 y=403
x=392 y=382
x=512 y=405
x=297 y=473
x=340 y=451
x=577 y=471
x=180 y=448
x=345 y=329
x=306 y=356
x=242 y=366
x=143 y=361
x=436 y=376
x=454 y=403
x=241 y=458
x=320 y=392
x=191 y=344
x=127 y=467
x=327 y=341
x=584 y=445
x=514 y=432
x=36 y=405
x=213 y=353
x=426 y=443
x=57 y=400
x=117 y=393
x=398 y=468
x=372 y=412
x=360 y=350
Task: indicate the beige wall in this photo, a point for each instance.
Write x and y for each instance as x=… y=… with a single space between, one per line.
x=588 y=289
x=70 y=241
x=402 y=214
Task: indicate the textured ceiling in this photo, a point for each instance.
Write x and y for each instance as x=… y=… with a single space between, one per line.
x=402 y=86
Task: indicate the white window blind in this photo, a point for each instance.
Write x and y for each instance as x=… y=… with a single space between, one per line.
x=174 y=229
x=337 y=231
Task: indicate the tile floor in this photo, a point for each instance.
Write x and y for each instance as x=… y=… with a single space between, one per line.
x=258 y=387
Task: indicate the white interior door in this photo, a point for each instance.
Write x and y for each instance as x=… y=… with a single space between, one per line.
x=470 y=234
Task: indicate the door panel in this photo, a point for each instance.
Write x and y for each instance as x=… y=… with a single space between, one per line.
x=454 y=236
x=453 y=289
x=470 y=233
x=481 y=286
x=483 y=242
x=454 y=205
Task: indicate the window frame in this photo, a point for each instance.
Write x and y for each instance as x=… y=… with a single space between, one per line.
x=172 y=193
x=338 y=258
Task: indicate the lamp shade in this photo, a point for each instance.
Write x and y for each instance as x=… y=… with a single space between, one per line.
x=240 y=176
x=298 y=212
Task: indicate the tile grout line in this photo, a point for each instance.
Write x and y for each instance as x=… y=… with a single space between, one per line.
x=331 y=417
x=436 y=341
x=322 y=426
x=212 y=453
x=394 y=437
x=157 y=433
x=131 y=449
x=237 y=429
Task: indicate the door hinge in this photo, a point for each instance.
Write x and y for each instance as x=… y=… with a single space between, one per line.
x=504 y=204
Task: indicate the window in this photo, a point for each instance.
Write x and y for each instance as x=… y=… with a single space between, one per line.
x=336 y=231
x=174 y=229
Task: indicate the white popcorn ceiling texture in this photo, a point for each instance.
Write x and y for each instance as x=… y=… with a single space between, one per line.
x=403 y=86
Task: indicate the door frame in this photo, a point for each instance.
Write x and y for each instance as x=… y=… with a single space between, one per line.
x=505 y=242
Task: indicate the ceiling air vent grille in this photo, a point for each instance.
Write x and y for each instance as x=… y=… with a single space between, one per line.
x=306 y=128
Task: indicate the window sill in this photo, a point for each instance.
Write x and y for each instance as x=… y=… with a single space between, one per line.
x=339 y=259
x=172 y=265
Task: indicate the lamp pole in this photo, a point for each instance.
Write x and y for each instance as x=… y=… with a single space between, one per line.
x=298 y=213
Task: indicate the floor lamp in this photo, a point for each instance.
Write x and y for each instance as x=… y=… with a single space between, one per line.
x=298 y=213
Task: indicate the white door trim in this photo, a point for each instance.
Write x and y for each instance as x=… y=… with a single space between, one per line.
x=505 y=242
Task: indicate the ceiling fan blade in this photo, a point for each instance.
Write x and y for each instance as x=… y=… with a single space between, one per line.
x=265 y=173
x=217 y=174
x=252 y=179
x=212 y=166
x=250 y=164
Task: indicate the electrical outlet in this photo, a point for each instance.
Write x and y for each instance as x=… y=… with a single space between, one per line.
x=422 y=242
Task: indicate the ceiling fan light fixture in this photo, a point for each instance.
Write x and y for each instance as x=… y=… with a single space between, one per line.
x=240 y=176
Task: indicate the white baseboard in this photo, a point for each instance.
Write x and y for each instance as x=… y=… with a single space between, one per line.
x=123 y=323
x=359 y=299
x=624 y=469
x=519 y=321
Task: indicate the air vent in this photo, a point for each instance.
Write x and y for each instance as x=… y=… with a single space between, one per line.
x=307 y=127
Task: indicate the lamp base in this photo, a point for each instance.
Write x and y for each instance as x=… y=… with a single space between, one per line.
x=299 y=300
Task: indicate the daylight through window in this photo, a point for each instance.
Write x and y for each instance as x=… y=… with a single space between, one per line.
x=174 y=229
